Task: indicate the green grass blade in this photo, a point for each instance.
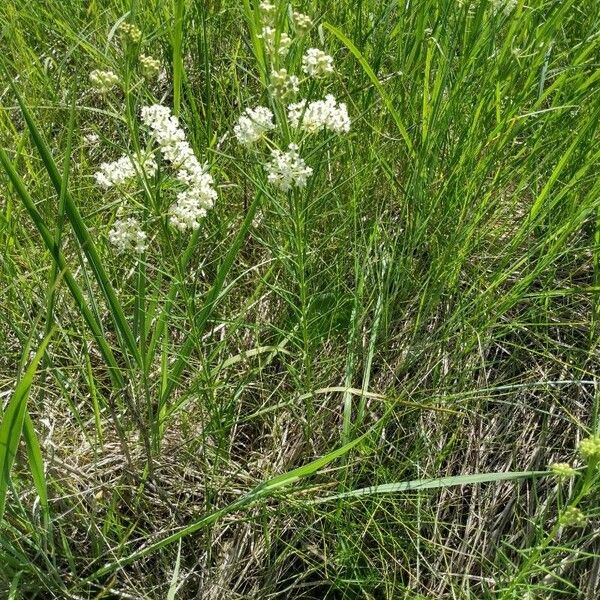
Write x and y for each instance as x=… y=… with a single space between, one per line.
x=417 y=485
x=12 y=422
x=83 y=236
x=177 y=41
x=36 y=464
x=13 y=592
x=57 y=256
x=54 y=273
x=371 y=75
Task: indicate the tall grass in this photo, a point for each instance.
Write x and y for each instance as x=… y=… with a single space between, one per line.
x=351 y=390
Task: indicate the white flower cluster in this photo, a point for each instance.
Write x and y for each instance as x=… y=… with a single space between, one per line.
x=91 y=139
x=301 y=21
x=200 y=195
x=122 y=170
x=150 y=66
x=322 y=114
x=266 y=7
x=315 y=63
x=126 y=234
x=273 y=44
x=283 y=84
x=253 y=124
x=103 y=81
x=287 y=169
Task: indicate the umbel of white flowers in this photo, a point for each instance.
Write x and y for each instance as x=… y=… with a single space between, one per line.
x=287 y=169
x=126 y=234
x=253 y=124
x=322 y=114
x=283 y=84
x=315 y=63
x=266 y=7
x=199 y=196
x=275 y=43
x=193 y=201
x=120 y=171
x=150 y=66
x=103 y=81
x=302 y=21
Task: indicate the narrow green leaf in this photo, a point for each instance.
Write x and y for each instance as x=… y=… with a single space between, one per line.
x=83 y=236
x=54 y=273
x=174 y=587
x=12 y=422
x=72 y=284
x=430 y=484
x=371 y=74
x=177 y=54
x=14 y=587
x=36 y=464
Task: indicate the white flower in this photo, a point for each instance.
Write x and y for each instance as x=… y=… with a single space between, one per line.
x=187 y=211
x=199 y=195
x=505 y=6
x=281 y=45
x=287 y=169
x=266 y=7
x=253 y=124
x=103 y=81
x=91 y=139
x=122 y=170
x=126 y=234
x=165 y=127
x=322 y=114
x=316 y=63
x=284 y=84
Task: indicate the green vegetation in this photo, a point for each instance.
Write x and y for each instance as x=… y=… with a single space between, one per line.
x=369 y=370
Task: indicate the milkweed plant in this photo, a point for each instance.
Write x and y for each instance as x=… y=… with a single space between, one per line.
x=300 y=254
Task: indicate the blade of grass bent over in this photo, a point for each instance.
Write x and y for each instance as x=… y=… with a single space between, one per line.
x=260 y=491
